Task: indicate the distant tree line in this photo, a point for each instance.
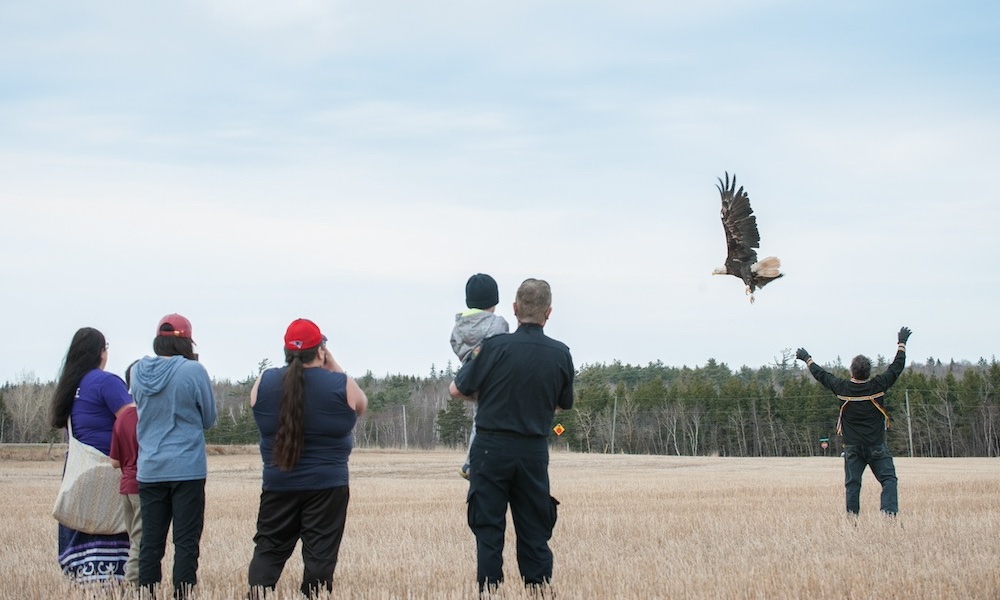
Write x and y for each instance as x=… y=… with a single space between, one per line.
x=777 y=410
x=936 y=409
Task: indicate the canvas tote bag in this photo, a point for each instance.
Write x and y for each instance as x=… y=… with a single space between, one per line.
x=89 y=498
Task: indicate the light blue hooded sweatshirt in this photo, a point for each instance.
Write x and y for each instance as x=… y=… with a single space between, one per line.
x=176 y=405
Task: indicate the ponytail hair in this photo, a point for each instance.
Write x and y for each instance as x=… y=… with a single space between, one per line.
x=174 y=346
x=290 y=438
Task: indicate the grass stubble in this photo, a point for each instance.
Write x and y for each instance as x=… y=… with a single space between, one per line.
x=629 y=527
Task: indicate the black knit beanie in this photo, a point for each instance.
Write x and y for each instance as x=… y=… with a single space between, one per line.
x=481 y=292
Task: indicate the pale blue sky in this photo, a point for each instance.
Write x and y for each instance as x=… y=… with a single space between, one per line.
x=248 y=163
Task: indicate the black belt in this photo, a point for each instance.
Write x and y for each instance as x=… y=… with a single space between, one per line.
x=503 y=433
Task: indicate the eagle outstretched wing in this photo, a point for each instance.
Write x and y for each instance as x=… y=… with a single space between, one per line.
x=739 y=224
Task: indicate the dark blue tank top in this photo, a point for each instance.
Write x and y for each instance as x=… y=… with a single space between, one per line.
x=328 y=421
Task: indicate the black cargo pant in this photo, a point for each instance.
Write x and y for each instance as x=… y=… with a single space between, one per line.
x=508 y=469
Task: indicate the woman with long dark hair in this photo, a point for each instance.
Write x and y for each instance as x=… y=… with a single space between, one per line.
x=175 y=405
x=90 y=399
x=306 y=412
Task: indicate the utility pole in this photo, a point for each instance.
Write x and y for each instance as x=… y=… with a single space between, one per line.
x=614 y=420
x=909 y=425
x=405 y=436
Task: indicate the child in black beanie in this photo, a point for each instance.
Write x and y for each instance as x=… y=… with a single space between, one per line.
x=475 y=325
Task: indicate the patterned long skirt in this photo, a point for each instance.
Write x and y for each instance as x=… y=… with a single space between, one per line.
x=88 y=558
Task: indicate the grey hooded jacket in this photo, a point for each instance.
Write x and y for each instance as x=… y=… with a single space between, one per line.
x=471 y=328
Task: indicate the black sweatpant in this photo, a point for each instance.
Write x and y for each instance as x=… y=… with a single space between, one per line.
x=315 y=517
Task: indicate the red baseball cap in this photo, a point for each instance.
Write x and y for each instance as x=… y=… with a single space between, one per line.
x=303 y=334
x=174 y=325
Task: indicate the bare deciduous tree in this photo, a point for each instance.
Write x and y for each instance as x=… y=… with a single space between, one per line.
x=28 y=407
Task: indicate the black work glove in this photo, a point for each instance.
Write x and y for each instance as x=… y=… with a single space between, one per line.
x=904 y=334
x=802 y=355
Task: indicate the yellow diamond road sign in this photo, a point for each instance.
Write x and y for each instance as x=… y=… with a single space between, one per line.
x=559 y=429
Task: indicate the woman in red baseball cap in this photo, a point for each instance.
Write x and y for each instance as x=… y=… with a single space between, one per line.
x=306 y=412
x=176 y=404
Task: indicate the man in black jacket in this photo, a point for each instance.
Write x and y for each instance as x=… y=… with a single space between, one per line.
x=864 y=421
x=521 y=379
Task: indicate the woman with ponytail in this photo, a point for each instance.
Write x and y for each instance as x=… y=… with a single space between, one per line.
x=306 y=412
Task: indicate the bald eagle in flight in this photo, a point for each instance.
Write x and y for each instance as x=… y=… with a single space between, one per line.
x=740 y=226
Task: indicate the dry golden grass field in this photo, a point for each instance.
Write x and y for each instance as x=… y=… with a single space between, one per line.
x=629 y=527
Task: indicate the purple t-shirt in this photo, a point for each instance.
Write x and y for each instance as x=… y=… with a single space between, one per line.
x=100 y=396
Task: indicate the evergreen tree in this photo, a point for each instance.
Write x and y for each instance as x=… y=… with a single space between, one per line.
x=454 y=423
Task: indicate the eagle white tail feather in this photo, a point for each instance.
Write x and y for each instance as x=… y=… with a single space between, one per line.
x=767 y=267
